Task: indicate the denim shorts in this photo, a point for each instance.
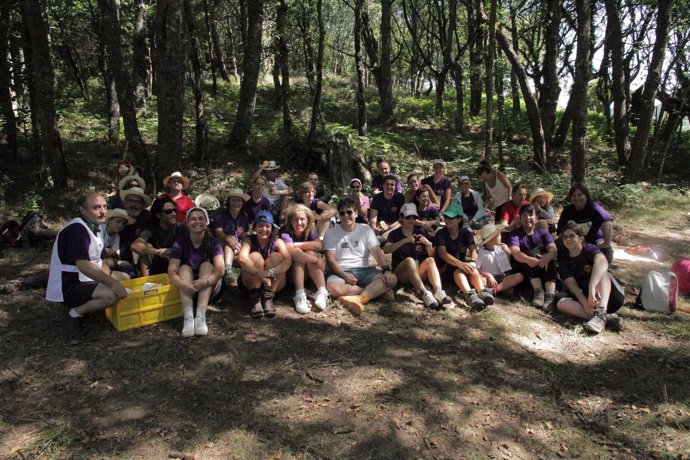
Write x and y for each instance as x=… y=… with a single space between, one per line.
x=365 y=275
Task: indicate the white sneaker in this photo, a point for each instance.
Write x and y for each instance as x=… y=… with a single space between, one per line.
x=301 y=304
x=200 y=327
x=321 y=299
x=442 y=297
x=188 y=327
x=428 y=299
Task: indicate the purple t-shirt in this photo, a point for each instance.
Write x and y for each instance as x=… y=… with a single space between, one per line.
x=287 y=236
x=414 y=250
x=254 y=246
x=388 y=210
x=439 y=187
x=184 y=250
x=430 y=213
x=531 y=244
x=377 y=182
x=455 y=247
x=252 y=209
x=73 y=245
x=590 y=219
x=231 y=226
x=579 y=267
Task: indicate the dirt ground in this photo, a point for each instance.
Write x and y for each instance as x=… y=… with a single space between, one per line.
x=397 y=382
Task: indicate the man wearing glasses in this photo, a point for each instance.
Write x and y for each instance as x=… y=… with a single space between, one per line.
x=156 y=240
x=352 y=279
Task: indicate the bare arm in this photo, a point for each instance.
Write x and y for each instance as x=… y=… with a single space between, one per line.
x=607 y=228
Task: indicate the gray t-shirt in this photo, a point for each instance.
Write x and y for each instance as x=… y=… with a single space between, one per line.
x=351 y=248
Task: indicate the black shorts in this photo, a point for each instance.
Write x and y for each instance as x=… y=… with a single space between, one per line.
x=78 y=294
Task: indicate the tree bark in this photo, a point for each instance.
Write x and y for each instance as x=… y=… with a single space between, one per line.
x=316 y=104
x=43 y=77
x=283 y=59
x=550 y=89
x=239 y=136
x=359 y=68
x=583 y=62
x=33 y=106
x=459 y=120
x=218 y=51
x=618 y=83
x=385 y=82
x=201 y=147
x=514 y=86
x=304 y=25
x=6 y=95
x=491 y=51
x=639 y=144
x=140 y=55
x=476 y=37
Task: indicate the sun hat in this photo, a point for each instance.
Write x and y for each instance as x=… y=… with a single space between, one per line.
x=540 y=192
x=138 y=192
x=126 y=169
x=271 y=166
x=207 y=201
x=408 y=209
x=489 y=231
x=453 y=211
x=238 y=193
x=438 y=161
x=463 y=178
x=177 y=174
x=127 y=179
x=197 y=209
x=264 y=217
x=121 y=213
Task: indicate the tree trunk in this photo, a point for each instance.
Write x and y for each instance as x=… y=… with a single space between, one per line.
x=583 y=62
x=209 y=46
x=639 y=145
x=359 y=67
x=501 y=117
x=514 y=86
x=5 y=85
x=491 y=51
x=618 y=83
x=201 y=149
x=316 y=104
x=275 y=73
x=44 y=78
x=476 y=37
x=218 y=51
x=459 y=121
x=36 y=146
x=140 y=54
x=284 y=59
x=304 y=25
x=385 y=83
x=239 y=136
x=550 y=89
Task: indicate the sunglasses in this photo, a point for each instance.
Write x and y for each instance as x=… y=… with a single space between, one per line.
x=349 y=212
x=169 y=211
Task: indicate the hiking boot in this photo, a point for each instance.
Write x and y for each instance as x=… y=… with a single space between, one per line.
x=538 y=299
x=232 y=274
x=269 y=308
x=443 y=298
x=72 y=328
x=188 y=326
x=256 y=310
x=200 y=327
x=321 y=299
x=428 y=299
x=548 y=302
x=487 y=296
x=353 y=303
x=614 y=322
x=597 y=323
x=301 y=304
x=476 y=303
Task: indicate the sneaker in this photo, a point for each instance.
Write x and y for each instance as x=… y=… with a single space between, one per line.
x=389 y=296
x=301 y=304
x=476 y=303
x=269 y=308
x=614 y=322
x=443 y=298
x=487 y=296
x=321 y=299
x=538 y=299
x=428 y=299
x=72 y=328
x=597 y=323
x=200 y=327
x=352 y=303
x=548 y=302
x=188 y=327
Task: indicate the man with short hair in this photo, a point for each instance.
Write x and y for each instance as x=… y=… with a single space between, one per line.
x=77 y=276
x=384 y=169
x=384 y=211
x=510 y=211
x=136 y=202
x=321 y=193
x=353 y=279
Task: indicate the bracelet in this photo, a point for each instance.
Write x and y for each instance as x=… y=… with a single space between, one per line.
x=272 y=273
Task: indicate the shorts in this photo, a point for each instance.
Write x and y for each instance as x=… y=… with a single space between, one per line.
x=365 y=275
x=78 y=294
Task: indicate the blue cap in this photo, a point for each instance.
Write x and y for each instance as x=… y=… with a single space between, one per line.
x=263 y=216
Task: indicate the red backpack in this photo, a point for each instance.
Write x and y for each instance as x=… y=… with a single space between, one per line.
x=682 y=270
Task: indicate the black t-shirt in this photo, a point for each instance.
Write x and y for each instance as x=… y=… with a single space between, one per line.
x=160 y=238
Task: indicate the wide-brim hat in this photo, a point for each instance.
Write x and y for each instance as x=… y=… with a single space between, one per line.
x=121 y=213
x=126 y=169
x=408 y=209
x=453 y=211
x=540 y=192
x=127 y=179
x=271 y=166
x=138 y=192
x=237 y=193
x=489 y=231
x=177 y=174
x=207 y=201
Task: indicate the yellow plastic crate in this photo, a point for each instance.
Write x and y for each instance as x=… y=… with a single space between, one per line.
x=141 y=308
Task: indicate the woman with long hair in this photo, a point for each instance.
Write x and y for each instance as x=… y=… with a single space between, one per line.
x=428 y=217
x=257 y=201
x=306 y=195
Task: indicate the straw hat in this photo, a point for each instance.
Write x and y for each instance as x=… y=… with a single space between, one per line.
x=207 y=201
x=489 y=231
x=121 y=213
x=138 y=192
x=540 y=192
x=237 y=193
x=271 y=166
x=177 y=174
x=127 y=179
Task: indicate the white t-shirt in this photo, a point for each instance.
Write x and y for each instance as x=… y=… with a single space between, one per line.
x=495 y=262
x=351 y=248
x=280 y=185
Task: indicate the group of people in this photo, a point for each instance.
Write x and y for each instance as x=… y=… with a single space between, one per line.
x=486 y=242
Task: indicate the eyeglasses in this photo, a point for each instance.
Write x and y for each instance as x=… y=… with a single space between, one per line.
x=569 y=236
x=349 y=212
x=410 y=217
x=169 y=211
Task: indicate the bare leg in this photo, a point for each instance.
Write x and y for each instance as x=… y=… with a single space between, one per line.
x=255 y=263
x=337 y=287
x=510 y=281
x=573 y=307
x=378 y=286
x=407 y=273
x=429 y=270
x=461 y=281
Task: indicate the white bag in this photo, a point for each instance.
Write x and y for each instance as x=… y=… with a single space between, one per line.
x=659 y=292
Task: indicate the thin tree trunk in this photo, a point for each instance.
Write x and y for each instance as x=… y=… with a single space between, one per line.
x=583 y=62
x=284 y=59
x=501 y=116
x=316 y=104
x=275 y=73
x=385 y=82
x=359 y=67
x=209 y=45
x=201 y=149
x=5 y=85
x=550 y=90
x=139 y=55
x=36 y=145
x=459 y=121
x=218 y=52
x=304 y=25
x=491 y=51
x=618 y=83
x=514 y=86
x=476 y=37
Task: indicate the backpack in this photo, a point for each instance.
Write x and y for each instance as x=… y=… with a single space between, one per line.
x=682 y=270
x=659 y=292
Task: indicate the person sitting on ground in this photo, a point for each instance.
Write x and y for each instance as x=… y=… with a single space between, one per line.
x=493 y=261
x=384 y=169
x=497 y=187
x=321 y=193
x=385 y=209
x=353 y=279
x=125 y=183
x=414 y=183
x=177 y=184
x=257 y=201
x=596 y=222
x=361 y=201
x=413 y=259
x=231 y=225
x=453 y=244
x=264 y=260
x=303 y=244
x=136 y=202
x=534 y=253
x=440 y=184
x=115 y=222
x=196 y=268
x=77 y=276
x=276 y=190
x=322 y=212
x=155 y=242
x=541 y=200
x=584 y=271
x=510 y=211
x=475 y=215
x=428 y=217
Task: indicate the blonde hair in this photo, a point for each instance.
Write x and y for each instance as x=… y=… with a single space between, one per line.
x=291 y=211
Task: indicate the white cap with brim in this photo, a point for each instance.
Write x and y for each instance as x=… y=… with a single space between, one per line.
x=408 y=209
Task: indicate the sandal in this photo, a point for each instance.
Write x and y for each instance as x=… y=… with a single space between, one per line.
x=257 y=310
x=269 y=308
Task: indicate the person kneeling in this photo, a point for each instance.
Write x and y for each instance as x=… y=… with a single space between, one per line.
x=196 y=267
